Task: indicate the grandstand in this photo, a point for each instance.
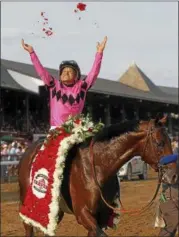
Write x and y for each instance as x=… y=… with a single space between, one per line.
x=24 y=98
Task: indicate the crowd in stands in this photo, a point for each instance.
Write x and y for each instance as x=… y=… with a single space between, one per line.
x=12 y=151
x=36 y=125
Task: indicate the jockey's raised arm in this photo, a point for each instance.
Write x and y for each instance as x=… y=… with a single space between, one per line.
x=41 y=71
x=93 y=74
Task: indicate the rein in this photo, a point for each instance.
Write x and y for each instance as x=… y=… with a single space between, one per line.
x=123 y=210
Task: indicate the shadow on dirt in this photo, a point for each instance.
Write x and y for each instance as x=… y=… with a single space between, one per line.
x=9 y=196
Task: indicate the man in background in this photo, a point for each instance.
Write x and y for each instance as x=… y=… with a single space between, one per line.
x=169 y=196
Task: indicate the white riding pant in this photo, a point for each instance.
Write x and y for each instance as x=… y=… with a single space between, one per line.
x=52 y=127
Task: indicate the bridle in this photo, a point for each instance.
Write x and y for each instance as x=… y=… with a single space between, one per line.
x=159 y=146
x=150 y=131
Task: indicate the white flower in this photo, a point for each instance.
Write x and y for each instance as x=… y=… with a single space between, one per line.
x=64 y=146
x=55 y=175
x=53 y=208
x=90 y=125
x=55 y=195
x=85 y=128
x=80 y=140
x=60 y=171
x=76 y=129
x=73 y=140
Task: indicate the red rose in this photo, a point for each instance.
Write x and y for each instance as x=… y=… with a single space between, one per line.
x=77 y=121
x=90 y=129
x=48 y=33
x=81 y=6
x=59 y=129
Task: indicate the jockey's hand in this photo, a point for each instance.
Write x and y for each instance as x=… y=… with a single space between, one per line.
x=27 y=47
x=101 y=46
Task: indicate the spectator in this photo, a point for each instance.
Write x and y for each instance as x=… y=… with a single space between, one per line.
x=169 y=197
x=20 y=151
x=12 y=151
x=4 y=149
x=175 y=147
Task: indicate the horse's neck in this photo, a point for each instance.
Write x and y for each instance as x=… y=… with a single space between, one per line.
x=118 y=151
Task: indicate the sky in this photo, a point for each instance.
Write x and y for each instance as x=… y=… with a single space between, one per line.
x=142 y=32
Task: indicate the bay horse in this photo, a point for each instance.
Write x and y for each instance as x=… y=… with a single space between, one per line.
x=112 y=148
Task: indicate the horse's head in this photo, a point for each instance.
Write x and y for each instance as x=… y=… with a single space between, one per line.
x=156 y=142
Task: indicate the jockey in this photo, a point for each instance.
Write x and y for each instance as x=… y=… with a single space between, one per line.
x=68 y=92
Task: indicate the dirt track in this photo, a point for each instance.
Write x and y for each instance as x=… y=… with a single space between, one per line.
x=135 y=194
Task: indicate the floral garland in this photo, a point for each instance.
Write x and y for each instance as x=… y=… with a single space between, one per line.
x=78 y=128
x=80 y=125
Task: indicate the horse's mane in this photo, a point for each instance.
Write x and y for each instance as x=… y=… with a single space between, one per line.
x=115 y=130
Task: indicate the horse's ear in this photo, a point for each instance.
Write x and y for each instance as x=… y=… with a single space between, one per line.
x=163 y=120
x=160 y=120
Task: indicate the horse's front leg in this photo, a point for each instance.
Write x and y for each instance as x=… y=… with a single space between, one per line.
x=90 y=223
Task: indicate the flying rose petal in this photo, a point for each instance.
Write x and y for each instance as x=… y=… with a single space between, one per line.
x=79 y=18
x=48 y=33
x=75 y=11
x=45 y=26
x=81 y=6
